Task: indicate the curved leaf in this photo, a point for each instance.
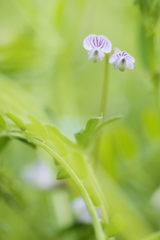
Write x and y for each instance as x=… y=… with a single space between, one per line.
x=2 y=122
x=52 y=130
x=3 y=142
x=62 y=174
x=58 y=146
x=85 y=136
x=109 y=121
x=77 y=162
x=16 y=120
x=38 y=127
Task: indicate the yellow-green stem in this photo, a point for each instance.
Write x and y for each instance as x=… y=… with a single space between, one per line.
x=105 y=88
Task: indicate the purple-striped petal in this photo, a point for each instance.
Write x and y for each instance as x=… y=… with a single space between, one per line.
x=114 y=57
x=97 y=42
x=122 y=60
x=88 y=42
x=128 y=56
x=104 y=44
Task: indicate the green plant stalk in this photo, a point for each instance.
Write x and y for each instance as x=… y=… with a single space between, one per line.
x=100 y=235
x=105 y=88
x=103 y=206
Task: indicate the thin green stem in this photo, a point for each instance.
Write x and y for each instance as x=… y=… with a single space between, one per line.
x=105 y=88
x=103 y=202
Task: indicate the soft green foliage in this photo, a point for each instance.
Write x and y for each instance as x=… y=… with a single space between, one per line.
x=62 y=174
x=17 y=121
x=85 y=136
x=2 y=122
x=69 y=157
x=49 y=92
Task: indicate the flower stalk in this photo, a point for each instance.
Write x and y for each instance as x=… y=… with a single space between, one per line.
x=105 y=88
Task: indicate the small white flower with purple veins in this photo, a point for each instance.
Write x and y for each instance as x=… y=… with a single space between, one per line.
x=122 y=60
x=97 y=46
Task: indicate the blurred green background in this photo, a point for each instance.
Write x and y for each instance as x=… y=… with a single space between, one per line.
x=44 y=71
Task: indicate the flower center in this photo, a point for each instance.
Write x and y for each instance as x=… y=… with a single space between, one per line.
x=96 y=52
x=123 y=60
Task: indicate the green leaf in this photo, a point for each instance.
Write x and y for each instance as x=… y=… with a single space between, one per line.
x=57 y=145
x=16 y=120
x=3 y=142
x=85 y=136
x=62 y=174
x=109 y=121
x=108 y=228
x=38 y=127
x=90 y=187
x=26 y=142
x=56 y=162
x=104 y=224
x=77 y=163
x=52 y=130
x=92 y=123
x=2 y=122
x=33 y=132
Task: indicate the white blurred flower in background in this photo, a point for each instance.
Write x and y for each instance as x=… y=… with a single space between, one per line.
x=40 y=174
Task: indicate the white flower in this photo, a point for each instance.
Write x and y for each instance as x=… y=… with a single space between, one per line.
x=122 y=60
x=40 y=174
x=97 y=46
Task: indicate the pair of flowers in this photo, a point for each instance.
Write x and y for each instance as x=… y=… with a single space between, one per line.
x=99 y=45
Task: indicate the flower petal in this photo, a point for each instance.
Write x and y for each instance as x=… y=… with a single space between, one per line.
x=88 y=42
x=99 y=42
x=128 y=56
x=101 y=55
x=116 y=63
x=114 y=57
x=129 y=64
x=104 y=44
x=98 y=55
x=90 y=54
x=125 y=55
x=120 y=63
